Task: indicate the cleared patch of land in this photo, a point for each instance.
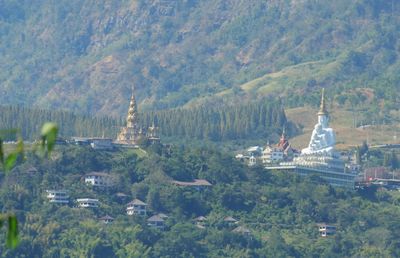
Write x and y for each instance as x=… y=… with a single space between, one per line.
x=342 y=123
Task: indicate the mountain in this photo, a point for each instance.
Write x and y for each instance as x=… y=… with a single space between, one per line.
x=85 y=56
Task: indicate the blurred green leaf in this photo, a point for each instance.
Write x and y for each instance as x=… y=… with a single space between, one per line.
x=1 y=152
x=1 y=222
x=10 y=161
x=49 y=136
x=12 y=235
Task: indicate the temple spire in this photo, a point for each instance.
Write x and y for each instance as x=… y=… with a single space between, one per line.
x=283 y=136
x=132 y=111
x=322 y=109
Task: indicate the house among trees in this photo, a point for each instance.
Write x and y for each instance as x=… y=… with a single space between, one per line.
x=198 y=184
x=81 y=141
x=101 y=143
x=254 y=151
x=163 y=216
x=136 y=207
x=326 y=230
x=121 y=196
x=156 y=221
x=106 y=219
x=87 y=203
x=200 y=222
x=98 y=179
x=57 y=196
x=242 y=230
x=230 y=221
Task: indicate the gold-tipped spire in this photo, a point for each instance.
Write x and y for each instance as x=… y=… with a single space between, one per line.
x=322 y=109
x=132 y=116
x=283 y=136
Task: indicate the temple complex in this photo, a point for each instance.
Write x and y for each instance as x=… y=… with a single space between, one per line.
x=132 y=132
x=320 y=157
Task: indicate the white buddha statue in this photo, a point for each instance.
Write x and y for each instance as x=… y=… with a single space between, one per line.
x=323 y=138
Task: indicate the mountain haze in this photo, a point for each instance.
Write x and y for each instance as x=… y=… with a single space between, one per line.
x=85 y=56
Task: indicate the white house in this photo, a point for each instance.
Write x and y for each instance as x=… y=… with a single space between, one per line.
x=99 y=179
x=326 y=230
x=136 y=207
x=87 y=203
x=57 y=196
x=272 y=155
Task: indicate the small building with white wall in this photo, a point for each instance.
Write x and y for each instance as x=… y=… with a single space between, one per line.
x=326 y=230
x=136 y=207
x=57 y=196
x=272 y=155
x=98 y=179
x=87 y=203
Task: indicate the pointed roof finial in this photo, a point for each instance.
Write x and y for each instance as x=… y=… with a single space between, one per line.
x=132 y=113
x=132 y=92
x=322 y=109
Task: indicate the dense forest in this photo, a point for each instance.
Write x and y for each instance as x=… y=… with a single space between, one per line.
x=259 y=120
x=84 y=56
x=280 y=210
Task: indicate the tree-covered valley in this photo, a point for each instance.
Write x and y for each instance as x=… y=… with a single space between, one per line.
x=280 y=210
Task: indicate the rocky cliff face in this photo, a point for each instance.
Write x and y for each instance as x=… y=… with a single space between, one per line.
x=86 y=55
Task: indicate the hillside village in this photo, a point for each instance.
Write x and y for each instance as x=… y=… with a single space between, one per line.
x=272 y=157
x=139 y=183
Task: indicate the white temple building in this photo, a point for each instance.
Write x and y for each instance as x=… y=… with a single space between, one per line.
x=320 y=157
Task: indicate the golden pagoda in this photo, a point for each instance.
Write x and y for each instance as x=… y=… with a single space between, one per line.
x=322 y=109
x=131 y=133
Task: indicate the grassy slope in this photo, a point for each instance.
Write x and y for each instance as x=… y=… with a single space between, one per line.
x=342 y=123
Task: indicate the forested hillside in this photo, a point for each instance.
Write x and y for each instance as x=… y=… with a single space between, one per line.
x=85 y=56
x=279 y=210
x=260 y=120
